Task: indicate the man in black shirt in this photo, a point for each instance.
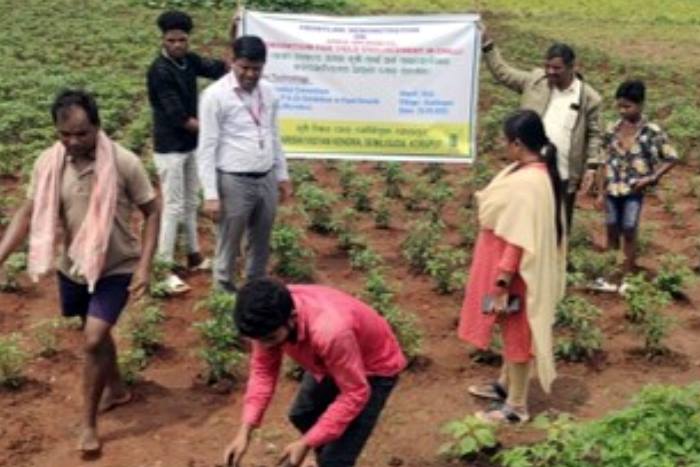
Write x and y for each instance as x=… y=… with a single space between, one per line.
x=172 y=92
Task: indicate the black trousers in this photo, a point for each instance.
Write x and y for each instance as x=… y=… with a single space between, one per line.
x=313 y=399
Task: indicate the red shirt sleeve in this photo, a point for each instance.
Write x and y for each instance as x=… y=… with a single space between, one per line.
x=264 y=371
x=510 y=258
x=343 y=361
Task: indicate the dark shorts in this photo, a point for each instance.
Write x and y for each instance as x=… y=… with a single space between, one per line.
x=105 y=303
x=623 y=212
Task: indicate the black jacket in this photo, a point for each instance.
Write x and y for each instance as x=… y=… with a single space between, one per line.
x=172 y=92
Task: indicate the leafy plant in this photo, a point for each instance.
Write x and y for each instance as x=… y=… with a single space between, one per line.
x=12 y=361
x=592 y=264
x=674 y=274
x=382 y=215
x=300 y=172
x=435 y=172
x=45 y=336
x=393 y=178
x=344 y=226
x=364 y=259
x=359 y=191
x=221 y=350
x=131 y=362
x=468 y=227
x=13 y=267
x=440 y=194
x=294 y=261
x=420 y=243
x=158 y=287
x=645 y=302
x=417 y=195
x=575 y=318
x=346 y=174
x=318 y=204
x=470 y=436
x=659 y=428
x=144 y=332
x=446 y=267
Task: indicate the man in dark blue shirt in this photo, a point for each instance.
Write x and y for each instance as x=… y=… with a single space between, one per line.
x=172 y=92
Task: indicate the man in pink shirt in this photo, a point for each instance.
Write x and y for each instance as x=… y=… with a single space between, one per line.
x=351 y=357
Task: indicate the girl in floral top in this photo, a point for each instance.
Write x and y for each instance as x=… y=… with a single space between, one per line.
x=638 y=155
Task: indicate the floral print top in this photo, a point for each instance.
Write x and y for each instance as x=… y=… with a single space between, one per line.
x=625 y=167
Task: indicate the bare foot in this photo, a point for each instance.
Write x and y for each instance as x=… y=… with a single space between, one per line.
x=110 y=401
x=89 y=442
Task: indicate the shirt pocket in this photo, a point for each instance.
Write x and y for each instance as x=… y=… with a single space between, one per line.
x=570 y=119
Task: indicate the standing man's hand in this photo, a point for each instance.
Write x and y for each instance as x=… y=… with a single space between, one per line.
x=233 y=455
x=192 y=125
x=212 y=208
x=294 y=454
x=588 y=180
x=285 y=189
x=139 y=283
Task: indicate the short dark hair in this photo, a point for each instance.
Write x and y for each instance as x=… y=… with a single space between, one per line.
x=75 y=97
x=251 y=47
x=262 y=307
x=175 y=19
x=632 y=90
x=563 y=51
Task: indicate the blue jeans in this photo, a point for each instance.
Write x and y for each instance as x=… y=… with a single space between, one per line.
x=623 y=212
x=313 y=399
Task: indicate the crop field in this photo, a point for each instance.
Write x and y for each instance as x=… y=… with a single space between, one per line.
x=398 y=235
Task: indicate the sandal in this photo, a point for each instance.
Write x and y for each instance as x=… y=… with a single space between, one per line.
x=493 y=391
x=175 y=286
x=504 y=414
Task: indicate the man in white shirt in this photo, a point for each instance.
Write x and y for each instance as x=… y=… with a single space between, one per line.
x=569 y=107
x=240 y=160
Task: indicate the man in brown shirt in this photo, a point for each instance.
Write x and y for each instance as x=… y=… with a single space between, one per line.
x=127 y=265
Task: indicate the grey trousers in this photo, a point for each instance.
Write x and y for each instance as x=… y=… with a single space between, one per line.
x=248 y=206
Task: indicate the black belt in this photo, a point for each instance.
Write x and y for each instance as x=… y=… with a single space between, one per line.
x=250 y=174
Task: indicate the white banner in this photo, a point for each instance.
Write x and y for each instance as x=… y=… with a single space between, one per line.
x=373 y=88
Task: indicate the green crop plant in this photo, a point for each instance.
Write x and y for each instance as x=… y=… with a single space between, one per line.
x=46 y=337
x=447 y=268
x=435 y=172
x=347 y=172
x=131 y=362
x=318 y=204
x=221 y=349
x=674 y=274
x=13 y=360
x=300 y=172
x=158 y=287
x=13 y=267
x=578 y=336
x=470 y=436
x=382 y=214
x=645 y=302
x=359 y=192
x=294 y=261
x=420 y=243
x=143 y=330
x=440 y=194
x=364 y=259
x=659 y=428
x=592 y=264
x=394 y=177
x=418 y=194
x=344 y=227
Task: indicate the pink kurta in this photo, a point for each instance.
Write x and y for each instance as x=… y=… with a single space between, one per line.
x=337 y=336
x=493 y=255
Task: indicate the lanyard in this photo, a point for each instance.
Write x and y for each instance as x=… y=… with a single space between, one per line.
x=255 y=115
